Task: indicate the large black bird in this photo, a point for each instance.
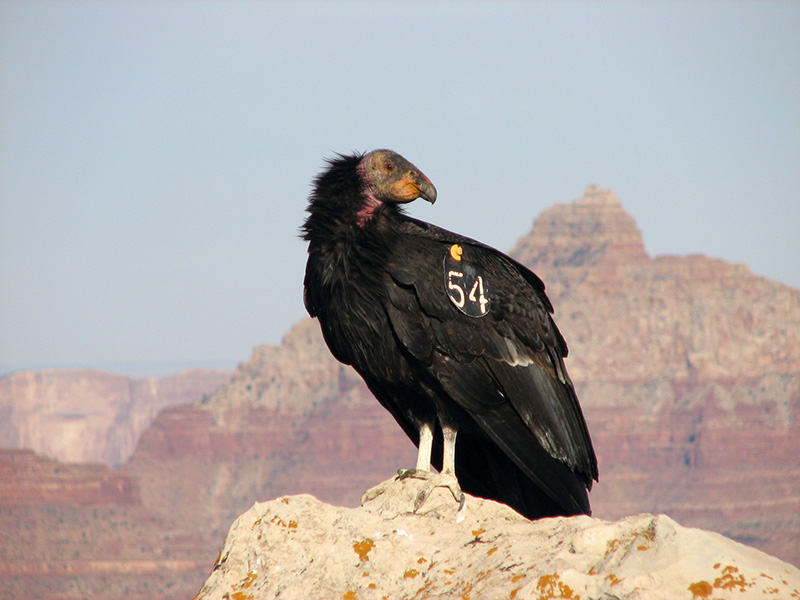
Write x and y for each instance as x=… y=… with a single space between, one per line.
x=446 y=330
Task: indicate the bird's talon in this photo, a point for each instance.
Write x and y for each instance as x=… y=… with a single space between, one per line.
x=413 y=474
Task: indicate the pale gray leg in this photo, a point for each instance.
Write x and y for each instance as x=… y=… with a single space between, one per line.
x=425 y=447
x=421 y=471
x=447 y=478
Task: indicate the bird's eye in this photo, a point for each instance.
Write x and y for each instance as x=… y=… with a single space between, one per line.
x=389 y=167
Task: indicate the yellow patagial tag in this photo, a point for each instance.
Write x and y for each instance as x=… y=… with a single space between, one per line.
x=456 y=251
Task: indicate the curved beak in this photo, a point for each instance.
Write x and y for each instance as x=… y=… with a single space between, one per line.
x=426 y=189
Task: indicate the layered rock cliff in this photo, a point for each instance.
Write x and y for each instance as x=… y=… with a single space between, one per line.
x=91 y=416
x=630 y=317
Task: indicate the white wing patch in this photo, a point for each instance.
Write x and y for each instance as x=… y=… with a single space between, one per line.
x=517 y=359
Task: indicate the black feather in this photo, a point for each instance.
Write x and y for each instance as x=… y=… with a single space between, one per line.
x=378 y=289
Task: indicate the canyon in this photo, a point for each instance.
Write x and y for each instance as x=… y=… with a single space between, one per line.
x=82 y=415
x=687 y=367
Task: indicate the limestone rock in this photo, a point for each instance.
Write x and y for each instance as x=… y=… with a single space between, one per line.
x=298 y=547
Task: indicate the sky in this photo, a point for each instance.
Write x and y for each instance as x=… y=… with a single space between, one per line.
x=156 y=157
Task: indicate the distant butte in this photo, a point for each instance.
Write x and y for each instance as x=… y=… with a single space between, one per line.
x=592 y=229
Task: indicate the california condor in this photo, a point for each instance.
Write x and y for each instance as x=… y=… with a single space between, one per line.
x=446 y=331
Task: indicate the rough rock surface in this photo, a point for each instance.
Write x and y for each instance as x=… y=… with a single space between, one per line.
x=84 y=416
x=298 y=547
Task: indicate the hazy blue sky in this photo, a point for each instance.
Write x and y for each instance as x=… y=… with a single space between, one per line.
x=155 y=157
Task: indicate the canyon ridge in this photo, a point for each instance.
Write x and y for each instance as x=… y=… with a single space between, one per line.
x=687 y=368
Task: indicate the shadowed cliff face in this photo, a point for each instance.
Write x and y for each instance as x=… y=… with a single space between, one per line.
x=688 y=370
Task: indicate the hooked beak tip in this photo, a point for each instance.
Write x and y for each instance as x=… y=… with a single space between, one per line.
x=427 y=192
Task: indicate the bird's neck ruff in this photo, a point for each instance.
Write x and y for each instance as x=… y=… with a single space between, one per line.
x=369 y=208
x=342 y=204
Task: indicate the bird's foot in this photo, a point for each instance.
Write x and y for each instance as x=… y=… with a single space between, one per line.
x=432 y=481
x=376 y=491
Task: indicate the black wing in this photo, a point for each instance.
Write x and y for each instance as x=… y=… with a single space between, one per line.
x=505 y=369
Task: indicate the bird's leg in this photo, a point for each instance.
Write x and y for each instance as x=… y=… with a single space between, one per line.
x=447 y=478
x=421 y=471
x=423 y=467
x=449 y=458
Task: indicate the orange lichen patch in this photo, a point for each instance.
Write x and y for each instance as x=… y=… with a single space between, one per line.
x=492 y=550
x=237 y=594
x=410 y=574
x=363 y=548
x=248 y=581
x=448 y=571
x=477 y=532
x=372 y=586
x=349 y=595
x=731 y=579
x=647 y=537
x=425 y=590
x=285 y=500
x=516 y=578
x=421 y=560
x=551 y=586
x=612 y=579
x=612 y=545
x=701 y=589
x=292 y=525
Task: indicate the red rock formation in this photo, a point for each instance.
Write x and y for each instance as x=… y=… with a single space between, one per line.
x=592 y=230
x=688 y=369
x=27 y=478
x=91 y=416
x=81 y=531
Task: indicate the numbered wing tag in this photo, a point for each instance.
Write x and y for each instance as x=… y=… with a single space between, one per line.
x=465 y=284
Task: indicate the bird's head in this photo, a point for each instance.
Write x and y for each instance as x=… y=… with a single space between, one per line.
x=392 y=179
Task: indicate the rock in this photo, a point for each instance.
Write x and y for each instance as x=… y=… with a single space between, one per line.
x=593 y=229
x=84 y=416
x=297 y=547
x=29 y=479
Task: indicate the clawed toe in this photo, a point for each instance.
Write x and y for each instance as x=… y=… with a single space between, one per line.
x=435 y=480
x=374 y=492
x=432 y=481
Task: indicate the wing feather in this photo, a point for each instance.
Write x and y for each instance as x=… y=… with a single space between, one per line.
x=505 y=369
